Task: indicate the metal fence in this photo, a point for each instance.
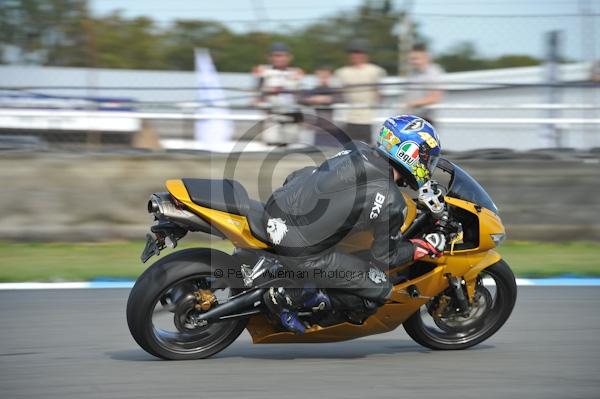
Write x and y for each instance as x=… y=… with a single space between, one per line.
x=53 y=107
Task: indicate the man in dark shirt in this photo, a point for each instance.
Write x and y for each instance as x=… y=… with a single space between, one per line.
x=321 y=98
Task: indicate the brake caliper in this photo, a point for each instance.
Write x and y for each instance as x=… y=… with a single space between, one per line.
x=204 y=300
x=441 y=306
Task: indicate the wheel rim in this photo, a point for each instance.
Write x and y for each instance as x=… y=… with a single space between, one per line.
x=491 y=296
x=171 y=316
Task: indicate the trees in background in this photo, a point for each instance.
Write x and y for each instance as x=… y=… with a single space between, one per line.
x=50 y=32
x=64 y=33
x=464 y=57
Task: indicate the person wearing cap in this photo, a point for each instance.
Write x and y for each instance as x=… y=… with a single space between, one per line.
x=359 y=88
x=278 y=83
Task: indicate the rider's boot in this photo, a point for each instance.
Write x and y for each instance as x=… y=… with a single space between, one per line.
x=286 y=302
x=289 y=319
x=318 y=300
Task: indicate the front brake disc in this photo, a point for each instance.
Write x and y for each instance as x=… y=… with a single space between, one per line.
x=455 y=323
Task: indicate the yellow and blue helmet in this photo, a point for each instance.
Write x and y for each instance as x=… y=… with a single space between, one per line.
x=413 y=146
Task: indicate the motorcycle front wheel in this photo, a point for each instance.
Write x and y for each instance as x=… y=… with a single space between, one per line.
x=162 y=306
x=495 y=298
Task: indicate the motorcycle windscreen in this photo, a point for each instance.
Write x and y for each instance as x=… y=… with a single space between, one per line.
x=465 y=187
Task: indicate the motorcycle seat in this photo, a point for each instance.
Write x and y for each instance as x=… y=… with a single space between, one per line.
x=229 y=196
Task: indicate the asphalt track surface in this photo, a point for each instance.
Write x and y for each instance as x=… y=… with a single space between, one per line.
x=75 y=344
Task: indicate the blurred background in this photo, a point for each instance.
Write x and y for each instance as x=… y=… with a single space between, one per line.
x=102 y=101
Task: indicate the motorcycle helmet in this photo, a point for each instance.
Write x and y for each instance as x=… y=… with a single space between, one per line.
x=412 y=145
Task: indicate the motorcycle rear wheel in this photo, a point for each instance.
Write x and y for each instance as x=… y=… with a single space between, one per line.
x=161 y=306
x=469 y=331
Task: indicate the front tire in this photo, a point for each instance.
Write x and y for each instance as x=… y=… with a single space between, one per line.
x=442 y=335
x=167 y=288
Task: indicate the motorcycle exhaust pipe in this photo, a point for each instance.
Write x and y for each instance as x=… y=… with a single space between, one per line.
x=161 y=205
x=239 y=304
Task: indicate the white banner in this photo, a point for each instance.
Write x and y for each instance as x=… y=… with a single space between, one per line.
x=213 y=131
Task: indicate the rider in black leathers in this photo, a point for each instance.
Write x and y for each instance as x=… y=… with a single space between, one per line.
x=355 y=190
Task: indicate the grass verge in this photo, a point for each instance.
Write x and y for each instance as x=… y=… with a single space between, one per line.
x=120 y=260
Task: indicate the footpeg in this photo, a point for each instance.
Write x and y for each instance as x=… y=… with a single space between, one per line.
x=263 y=265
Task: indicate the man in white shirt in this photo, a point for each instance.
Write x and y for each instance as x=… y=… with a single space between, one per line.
x=278 y=81
x=359 y=82
x=424 y=80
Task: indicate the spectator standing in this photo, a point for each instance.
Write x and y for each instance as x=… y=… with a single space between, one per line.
x=423 y=80
x=596 y=71
x=321 y=98
x=359 y=88
x=278 y=84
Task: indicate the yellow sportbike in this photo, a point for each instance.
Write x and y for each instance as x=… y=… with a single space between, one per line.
x=194 y=303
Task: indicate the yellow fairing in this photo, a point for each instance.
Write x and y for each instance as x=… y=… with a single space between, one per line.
x=234 y=227
x=399 y=308
x=489 y=223
x=387 y=318
x=411 y=212
x=465 y=263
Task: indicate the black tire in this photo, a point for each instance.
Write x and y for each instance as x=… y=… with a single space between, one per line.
x=506 y=290
x=153 y=283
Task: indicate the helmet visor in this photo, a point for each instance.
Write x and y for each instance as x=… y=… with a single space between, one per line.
x=432 y=163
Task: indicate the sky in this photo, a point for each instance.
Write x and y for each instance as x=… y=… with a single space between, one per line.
x=496 y=27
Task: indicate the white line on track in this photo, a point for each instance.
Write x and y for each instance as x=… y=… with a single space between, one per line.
x=546 y=282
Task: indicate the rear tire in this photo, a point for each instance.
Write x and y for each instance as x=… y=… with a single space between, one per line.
x=149 y=290
x=506 y=296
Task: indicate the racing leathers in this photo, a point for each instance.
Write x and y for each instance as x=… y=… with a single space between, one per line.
x=317 y=207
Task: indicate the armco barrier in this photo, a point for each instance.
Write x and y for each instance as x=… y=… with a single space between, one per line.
x=89 y=197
